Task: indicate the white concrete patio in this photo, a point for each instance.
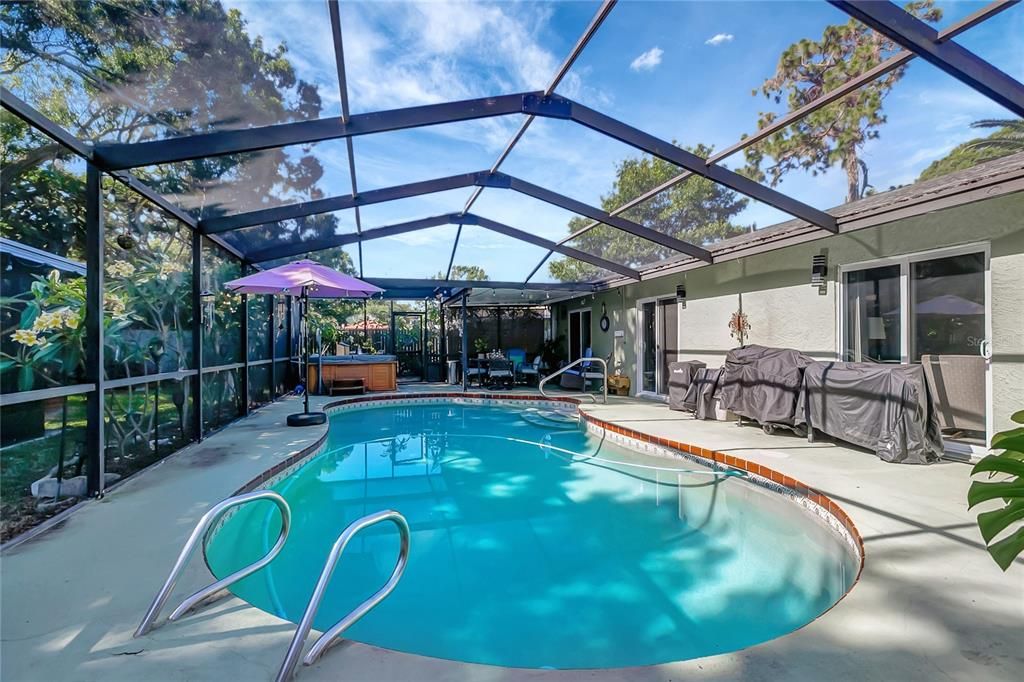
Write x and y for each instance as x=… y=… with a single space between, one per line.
x=930 y=605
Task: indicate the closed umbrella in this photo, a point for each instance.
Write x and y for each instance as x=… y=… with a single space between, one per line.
x=305 y=279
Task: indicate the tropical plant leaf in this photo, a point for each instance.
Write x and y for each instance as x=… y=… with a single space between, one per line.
x=1010 y=463
x=1006 y=550
x=992 y=523
x=997 y=464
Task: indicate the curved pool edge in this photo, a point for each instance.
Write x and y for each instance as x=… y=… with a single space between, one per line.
x=811 y=499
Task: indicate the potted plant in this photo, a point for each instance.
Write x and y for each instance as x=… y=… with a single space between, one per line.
x=480 y=344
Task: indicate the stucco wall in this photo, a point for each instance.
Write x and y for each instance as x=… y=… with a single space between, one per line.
x=785 y=310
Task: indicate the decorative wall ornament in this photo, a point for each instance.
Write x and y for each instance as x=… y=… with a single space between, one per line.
x=604 y=322
x=739 y=326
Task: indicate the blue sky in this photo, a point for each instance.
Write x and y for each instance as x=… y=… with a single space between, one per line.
x=679 y=70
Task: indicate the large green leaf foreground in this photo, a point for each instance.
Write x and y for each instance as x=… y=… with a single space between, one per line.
x=1009 y=489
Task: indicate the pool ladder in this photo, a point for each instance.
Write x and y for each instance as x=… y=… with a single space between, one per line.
x=217 y=590
x=578 y=361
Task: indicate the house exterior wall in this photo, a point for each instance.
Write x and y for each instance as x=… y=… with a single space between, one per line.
x=785 y=310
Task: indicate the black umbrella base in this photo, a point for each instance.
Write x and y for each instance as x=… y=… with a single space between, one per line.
x=307 y=419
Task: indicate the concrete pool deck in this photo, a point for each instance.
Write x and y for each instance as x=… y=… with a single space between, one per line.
x=930 y=604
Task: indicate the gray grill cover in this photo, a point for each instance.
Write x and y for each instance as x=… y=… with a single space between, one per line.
x=763 y=384
x=680 y=376
x=703 y=391
x=885 y=408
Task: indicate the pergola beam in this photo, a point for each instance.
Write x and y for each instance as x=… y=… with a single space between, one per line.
x=221 y=143
x=913 y=34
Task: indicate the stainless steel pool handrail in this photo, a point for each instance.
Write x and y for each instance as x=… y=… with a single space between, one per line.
x=330 y=636
x=540 y=386
x=199 y=537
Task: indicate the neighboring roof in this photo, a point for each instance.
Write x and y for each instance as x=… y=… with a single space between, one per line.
x=984 y=181
x=31 y=253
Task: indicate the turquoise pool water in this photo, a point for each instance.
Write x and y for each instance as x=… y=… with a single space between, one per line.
x=523 y=555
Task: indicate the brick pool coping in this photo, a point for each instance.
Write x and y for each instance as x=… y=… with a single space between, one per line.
x=814 y=500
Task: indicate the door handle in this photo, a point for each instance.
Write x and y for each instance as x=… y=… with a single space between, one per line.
x=985 y=349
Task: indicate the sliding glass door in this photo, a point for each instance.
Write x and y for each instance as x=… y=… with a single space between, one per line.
x=579 y=333
x=931 y=309
x=658 y=343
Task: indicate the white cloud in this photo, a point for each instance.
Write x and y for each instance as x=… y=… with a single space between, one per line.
x=648 y=60
x=719 y=39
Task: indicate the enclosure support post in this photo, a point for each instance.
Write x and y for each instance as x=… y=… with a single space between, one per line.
x=245 y=354
x=392 y=347
x=95 y=438
x=465 y=341
x=197 y=332
x=291 y=346
x=443 y=343
x=273 y=348
x=423 y=341
x=497 y=312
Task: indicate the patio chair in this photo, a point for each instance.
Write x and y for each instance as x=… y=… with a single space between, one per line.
x=531 y=372
x=474 y=371
x=501 y=374
x=580 y=376
x=518 y=358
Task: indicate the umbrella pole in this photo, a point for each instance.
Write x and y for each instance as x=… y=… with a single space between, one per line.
x=305 y=418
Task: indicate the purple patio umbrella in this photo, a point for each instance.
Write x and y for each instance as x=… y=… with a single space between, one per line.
x=305 y=279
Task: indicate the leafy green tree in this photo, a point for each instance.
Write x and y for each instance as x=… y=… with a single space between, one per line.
x=696 y=210
x=834 y=134
x=1009 y=136
x=1002 y=142
x=471 y=273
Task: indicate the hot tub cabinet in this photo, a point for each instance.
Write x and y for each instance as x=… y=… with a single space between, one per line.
x=378 y=372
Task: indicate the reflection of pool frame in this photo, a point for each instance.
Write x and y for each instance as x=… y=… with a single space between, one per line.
x=812 y=500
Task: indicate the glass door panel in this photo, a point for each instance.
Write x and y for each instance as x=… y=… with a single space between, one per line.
x=947 y=306
x=872 y=329
x=648 y=348
x=574 y=336
x=947 y=336
x=668 y=320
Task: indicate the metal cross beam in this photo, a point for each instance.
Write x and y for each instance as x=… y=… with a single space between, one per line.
x=636 y=229
x=913 y=34
x=559 y=107
x=402 y=283
x=332 y=241
x=134 y=155
x=339 y=203
x=480 y=179
x=501 y=228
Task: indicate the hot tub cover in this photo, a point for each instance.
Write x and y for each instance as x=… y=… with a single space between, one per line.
x=885 y=408
x=763 y=383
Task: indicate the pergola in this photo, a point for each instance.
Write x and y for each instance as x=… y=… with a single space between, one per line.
x=118 y=160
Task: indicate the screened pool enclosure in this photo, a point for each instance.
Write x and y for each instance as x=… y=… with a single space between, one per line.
x=155 y=150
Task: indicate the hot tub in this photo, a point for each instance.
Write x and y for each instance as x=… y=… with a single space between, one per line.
x=378 y=372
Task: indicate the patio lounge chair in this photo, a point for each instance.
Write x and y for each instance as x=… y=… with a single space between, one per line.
x=518 y=358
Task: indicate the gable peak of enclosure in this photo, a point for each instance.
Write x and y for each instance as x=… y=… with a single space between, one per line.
x=223 y=123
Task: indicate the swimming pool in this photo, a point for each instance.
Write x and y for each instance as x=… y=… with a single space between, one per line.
x=535 y=544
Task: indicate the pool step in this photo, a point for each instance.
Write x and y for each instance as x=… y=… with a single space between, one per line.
x=548 y=418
